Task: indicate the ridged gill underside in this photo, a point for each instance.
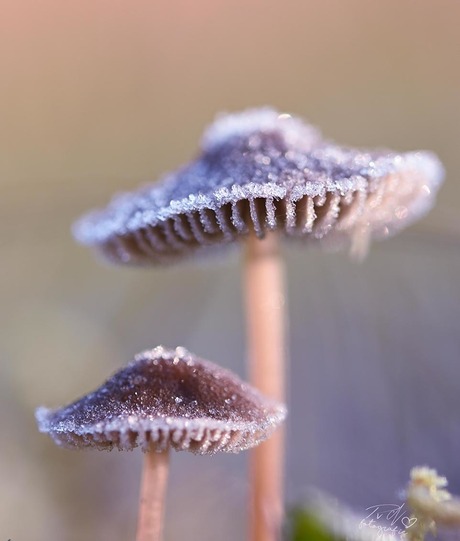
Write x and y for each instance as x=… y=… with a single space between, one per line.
x=259 y=171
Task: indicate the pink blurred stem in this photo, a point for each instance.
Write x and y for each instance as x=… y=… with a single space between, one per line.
x=265 y=299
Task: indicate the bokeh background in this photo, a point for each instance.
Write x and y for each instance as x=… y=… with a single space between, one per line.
x=99 y=96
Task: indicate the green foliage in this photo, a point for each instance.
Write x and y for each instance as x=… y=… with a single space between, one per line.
x=302 y=525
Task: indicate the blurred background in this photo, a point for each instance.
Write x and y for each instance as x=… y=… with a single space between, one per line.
x=98 y=97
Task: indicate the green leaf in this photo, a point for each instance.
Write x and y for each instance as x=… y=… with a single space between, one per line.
x=303 y=526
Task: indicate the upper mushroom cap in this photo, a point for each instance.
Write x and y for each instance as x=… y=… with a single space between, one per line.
x=166 y=398
x=258 y=171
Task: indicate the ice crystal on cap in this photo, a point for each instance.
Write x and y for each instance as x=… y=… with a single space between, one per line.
x=266 y=121
x=166 y=398
x=258 y=171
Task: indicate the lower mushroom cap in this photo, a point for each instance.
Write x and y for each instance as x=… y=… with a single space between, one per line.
x=166 y=399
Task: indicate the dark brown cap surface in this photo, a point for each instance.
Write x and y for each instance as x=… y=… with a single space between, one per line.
x=166 y=398
x=261 y=171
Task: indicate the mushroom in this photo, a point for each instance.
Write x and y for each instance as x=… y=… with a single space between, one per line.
x=164 y=399
x=261 y=174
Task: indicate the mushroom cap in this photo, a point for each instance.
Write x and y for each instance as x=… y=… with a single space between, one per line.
x=166 y=398
x=259 y=171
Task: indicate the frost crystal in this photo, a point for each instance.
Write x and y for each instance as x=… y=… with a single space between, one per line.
x=166 y=398
x=259 y=171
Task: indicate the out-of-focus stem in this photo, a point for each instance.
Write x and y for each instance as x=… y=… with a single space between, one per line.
x=265 y=308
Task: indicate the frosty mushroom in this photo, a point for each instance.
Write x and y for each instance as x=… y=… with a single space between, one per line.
x=164 y=399
x=261 y=171
x=262 y=174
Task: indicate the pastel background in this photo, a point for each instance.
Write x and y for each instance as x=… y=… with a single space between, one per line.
x=99 y=96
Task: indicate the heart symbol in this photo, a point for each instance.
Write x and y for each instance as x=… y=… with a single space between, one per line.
x=408 y=522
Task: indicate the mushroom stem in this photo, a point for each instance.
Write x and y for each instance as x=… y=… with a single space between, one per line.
x=152 y=501
x=265 y=299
